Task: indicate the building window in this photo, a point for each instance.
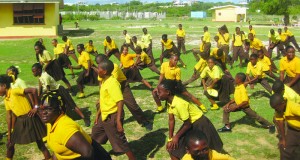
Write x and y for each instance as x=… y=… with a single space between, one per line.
x=29 y=13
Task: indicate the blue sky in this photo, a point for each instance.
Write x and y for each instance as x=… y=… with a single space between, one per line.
x=124 y=1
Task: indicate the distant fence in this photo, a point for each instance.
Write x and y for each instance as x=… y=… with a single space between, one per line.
x=123 y=15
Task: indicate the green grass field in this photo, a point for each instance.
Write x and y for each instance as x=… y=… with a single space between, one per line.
x=247 y=140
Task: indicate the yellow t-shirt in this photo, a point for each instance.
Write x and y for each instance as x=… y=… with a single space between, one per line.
x=252 y=31
x=127 y=60
x=16 y=101
x=225 y=40
x=168 y=44
x=214 y=73
x=289 y=33
x=59 y=134
x=206 y=37
x=212 y=155
x=146 y=39
x=256 y=44
x=274 y=38
x=184 y=110
x=172 y=73
x=240 y=94
x=265 y=62
x=47 y=80
x=59 y=49
x=19 y=83
x=127 y=38
x=291 y=115
x=214 y=54
x=117 y=74
x=110 y=95
x=238 y=39
x=90 y=48
x=291 y=95
x=139 y=44
x=200 y=65
x=283 y=36
x=69 y=43
x=145 y=58
x=256 y=70
x=46 y=57
x=112 y=45
x=83 y=59
x=201 y=47
x=180 y=33
x=290 y=67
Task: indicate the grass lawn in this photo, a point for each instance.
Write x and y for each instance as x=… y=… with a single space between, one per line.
x=247 y=140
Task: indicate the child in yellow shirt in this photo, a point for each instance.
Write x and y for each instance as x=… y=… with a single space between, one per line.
x=144 y=61
x=171 y=49
x=180 y=35
x=90 y=48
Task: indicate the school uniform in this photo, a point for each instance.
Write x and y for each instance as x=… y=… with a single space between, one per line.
x=291 y=116
x=291 y=38
x=131 y=72
x=106 y=128
x=291 y=95
x=224 y=86
x=275 y=42
x=146 y=39
x=256 y=45
x=146 y=62
x=238 y=50
x=181 y=39
x=199 y=66
x=91 y=79
x=112 y=47
x=169 y=49
x=62 y=58
x=184 y=110
x=240 y=95
x=127 y=39
x=221 y=61
x=212 y=155
x=224 y=43
x=54 y=69
x=18 y=83
x=91 y=49
x=252 y=31
x=69 y=44
x=206 y=41
x=27 y=129
x=283 y=39
x=257 y=70
x=60 y=133
x=291 y=68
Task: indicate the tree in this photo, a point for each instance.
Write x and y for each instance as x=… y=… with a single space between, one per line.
x=277 y=7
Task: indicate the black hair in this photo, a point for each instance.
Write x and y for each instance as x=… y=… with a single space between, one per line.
x=272 y=31
x=169 y=85
x=179 y=24
x=250 y=34
x=279 y=29
x=259 y=51
x=134 y=37
x=278 y=86
x=107 y=65
x=14 y=69
x=288 y=47
x=107 y=38
x=276 y=99
x=81 y=46
x=215 y=37
x=100 y=57
x=254 y=56
x=164 y=36
x=40 y=45
x=64 y=38
x=54 y=100
x=237 y=28
x=90 y=41
x=37 y=66
x=205 y=28
x=220 y=52
x=241 y=76
x=174 y=55
x=55 y=40
x=125 y=30
x=194 y=135
x=138 y=50
x=211 y=58
x=5 y=79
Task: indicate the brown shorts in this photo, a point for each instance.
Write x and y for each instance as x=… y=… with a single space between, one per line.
x=113 y=51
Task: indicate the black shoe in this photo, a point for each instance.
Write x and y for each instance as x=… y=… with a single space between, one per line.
x=272 y=129
x=148 y=126
x=224 y=129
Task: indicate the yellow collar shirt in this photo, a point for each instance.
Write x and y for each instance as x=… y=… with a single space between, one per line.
x=83 y=59
x=290 y=67
x=112 y=45
x=168 y=44
x=146 y=39
x=256 y=70
x=240 y=94
x=214 y=73
x=16 y=101
x=180 y=33
x=172 y=73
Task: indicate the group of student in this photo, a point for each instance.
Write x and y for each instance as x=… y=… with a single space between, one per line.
x=28 y=108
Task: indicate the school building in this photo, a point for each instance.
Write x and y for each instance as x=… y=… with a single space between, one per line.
x=29 y=18
x=229 y=13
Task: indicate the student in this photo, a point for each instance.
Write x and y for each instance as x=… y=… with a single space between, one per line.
x=13 y=71
x=171 y=49
x=283 y=38
x=291 y=38
x=192 y=117
x=110 y=116
x=110 y=48
x=251 y=30
x=129 y=99
x=170 y=70
x=90 y=48
x=213 y=79
x=220 y=57
x=196 y=145
x=144 y=61
x=69 y=49
x=287 y=92
x=40 y=43
x=47 y=84
x=199 y=51
x=238 y=40
x=147 y=41
x=206 y=40
x=51 y=66
x=88 y=76
x=127 y=37
x=180 y=36
x=28 y=126
x=224 y=38
x=198 y=68
x=256 y=44
x=275 y=41
x=61 y=57
x=217 y=40
x=267 y=65
x=64 y=136
x=240 y=102
x=290 y=65
x=288 y=113
x=136 y=43
x=255 y=68
x=130 y=70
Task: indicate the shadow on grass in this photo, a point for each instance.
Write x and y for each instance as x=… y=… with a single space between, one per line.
x=154 y=77
x=245 y=120
x=140 y=86
x=260 y=94
x=72 y=114
x=147 y=146
x=148 y=114
x=78 y=32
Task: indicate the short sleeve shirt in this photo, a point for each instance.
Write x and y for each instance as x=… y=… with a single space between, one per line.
x=16 y=101
x=238 y=39
x=256 y=44
x=291 y=115
x=256 y=70
x=274 y=38
x=116 y=73
x=206 y=37
x=214 y=53
x=265 y=62
x=112 y=45
x=252 y=31
x=214 y=73
x=145 y=58
x=180 y=33
x=291 y=95
x=289 y=33
x=19 y=83
x=127 y=38
x=172 y=73
x=46 y=57
x=83 y=59
x=200 y=65
x=146 y=39
x=212 y=155
x=224 y=40
x=90 y=48
x=59 y=49
x=70 y=45
x=139 y=44
x=240 y=94
x=127 y=60
x=290 y=67
x=47 y=80
x=168 y=44
x=184 y=110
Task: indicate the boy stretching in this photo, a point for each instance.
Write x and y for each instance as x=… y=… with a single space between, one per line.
x=241 y=103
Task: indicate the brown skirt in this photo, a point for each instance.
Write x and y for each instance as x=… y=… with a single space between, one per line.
x=296 y=86
x=64 y=60
x=132 y=74
x=55 y=70
x=90 y=80
x=28 y=129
